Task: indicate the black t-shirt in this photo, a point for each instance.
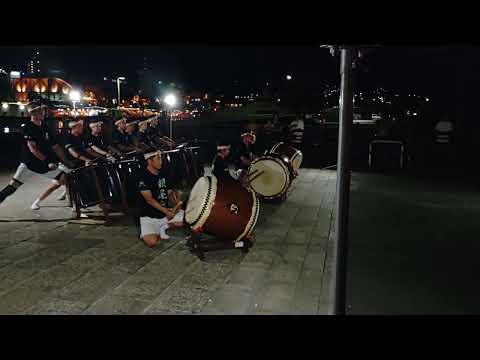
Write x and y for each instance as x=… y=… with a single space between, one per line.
x=158 y=185
x=220 y=168
x=245 y=151
x=121 y=138
x=44 y=139
x=97 y=141
x=77 y=143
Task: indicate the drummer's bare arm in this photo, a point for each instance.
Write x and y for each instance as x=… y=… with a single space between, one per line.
x=98 y=150
x=245 y=161
x=147 y=195
x=61 y=155
x=173 y=195
x=95 y=154
x=77 y=155
x=32 y=146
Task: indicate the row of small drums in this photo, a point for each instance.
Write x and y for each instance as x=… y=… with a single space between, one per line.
x=230 y=211
x=115 y=182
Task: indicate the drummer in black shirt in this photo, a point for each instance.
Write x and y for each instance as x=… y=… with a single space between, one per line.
x=76 y=148
x=222 y=162
x=155 y=189
x=96 y=142
x=76 y=144
x=142 y=138
x=40 y=154
x=120 y=139
x=245 y=151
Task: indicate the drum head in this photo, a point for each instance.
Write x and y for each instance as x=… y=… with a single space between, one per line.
x=200 y=201
x=273 y=177
x=297 y=161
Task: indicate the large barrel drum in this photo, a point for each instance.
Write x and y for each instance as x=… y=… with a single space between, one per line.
x=222 y=208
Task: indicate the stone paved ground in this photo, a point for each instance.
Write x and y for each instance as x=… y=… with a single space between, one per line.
x=51 y=265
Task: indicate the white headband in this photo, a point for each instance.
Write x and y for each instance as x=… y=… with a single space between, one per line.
x=92 y=124
x=72 y=124
x=120 y=120
x=152 y=154
x=223 y=147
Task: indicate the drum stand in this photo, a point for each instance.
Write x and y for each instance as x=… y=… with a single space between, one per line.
x=199 y=247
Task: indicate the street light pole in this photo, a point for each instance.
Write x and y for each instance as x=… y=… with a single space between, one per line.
x=343 y=179
x=118 y=92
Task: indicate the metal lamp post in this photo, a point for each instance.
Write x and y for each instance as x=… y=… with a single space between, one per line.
x=170 y=100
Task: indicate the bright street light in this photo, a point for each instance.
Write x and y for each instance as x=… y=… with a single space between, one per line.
x=170 y=100
x=74 y=96
x=289 y=77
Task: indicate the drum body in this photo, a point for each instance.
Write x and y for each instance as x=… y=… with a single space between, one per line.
x=269 y=176
x=89 y=184
x=128 y=171
x=222 y=208
x=288 y=154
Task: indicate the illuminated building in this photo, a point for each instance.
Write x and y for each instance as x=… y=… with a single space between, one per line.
x=47 y=88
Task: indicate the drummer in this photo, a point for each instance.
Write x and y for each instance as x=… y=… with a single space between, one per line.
x=245 y=152
x=120 y=139
x=154 y=189
x=96 y=142
x=76 y=144
x=143 y=138
x=41 y=152
x=222 y=161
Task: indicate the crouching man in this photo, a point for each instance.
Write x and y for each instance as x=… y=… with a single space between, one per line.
x=154 y=190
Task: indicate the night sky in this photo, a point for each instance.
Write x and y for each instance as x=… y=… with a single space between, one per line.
x=430 y=70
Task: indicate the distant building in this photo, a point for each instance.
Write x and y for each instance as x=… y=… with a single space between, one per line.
x=28 y=88
x=33 y=65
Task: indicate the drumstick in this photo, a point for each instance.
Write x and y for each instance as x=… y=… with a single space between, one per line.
x=255 y=177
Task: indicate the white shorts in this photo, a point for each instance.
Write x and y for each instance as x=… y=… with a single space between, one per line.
x=150 y=225
x=24 y=174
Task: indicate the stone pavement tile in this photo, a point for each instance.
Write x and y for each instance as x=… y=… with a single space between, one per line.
x=276 y=298
x=4 y=262
x=55 y=306
x=151 y=280
x=90 y=258
x=246 y=277
x=13 y=275
x=262 y=258
x=93 y=285
x=45 y=259
x=128 y=263
x=284 y=273
x=305 y=303
x=191 y=291
x=231 y=256
x=116 y=242
x=19 y=251
x=292 y=254
x=19 y=299
x=272 y=230
x=53 y=279
x=297 y=236
x=229 y=300
x=117 y=305
x=12 y=237
x=315 y=258
x=310 y=281
x=318 y=238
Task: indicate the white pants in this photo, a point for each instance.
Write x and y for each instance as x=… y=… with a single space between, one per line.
x=149 y=226
x=24 y=174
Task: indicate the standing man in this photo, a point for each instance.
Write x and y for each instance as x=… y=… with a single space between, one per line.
x=154 y=190
x=295 y=132
x=40 y=154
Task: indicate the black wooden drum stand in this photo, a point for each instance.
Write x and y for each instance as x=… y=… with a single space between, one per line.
x=199 y=247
